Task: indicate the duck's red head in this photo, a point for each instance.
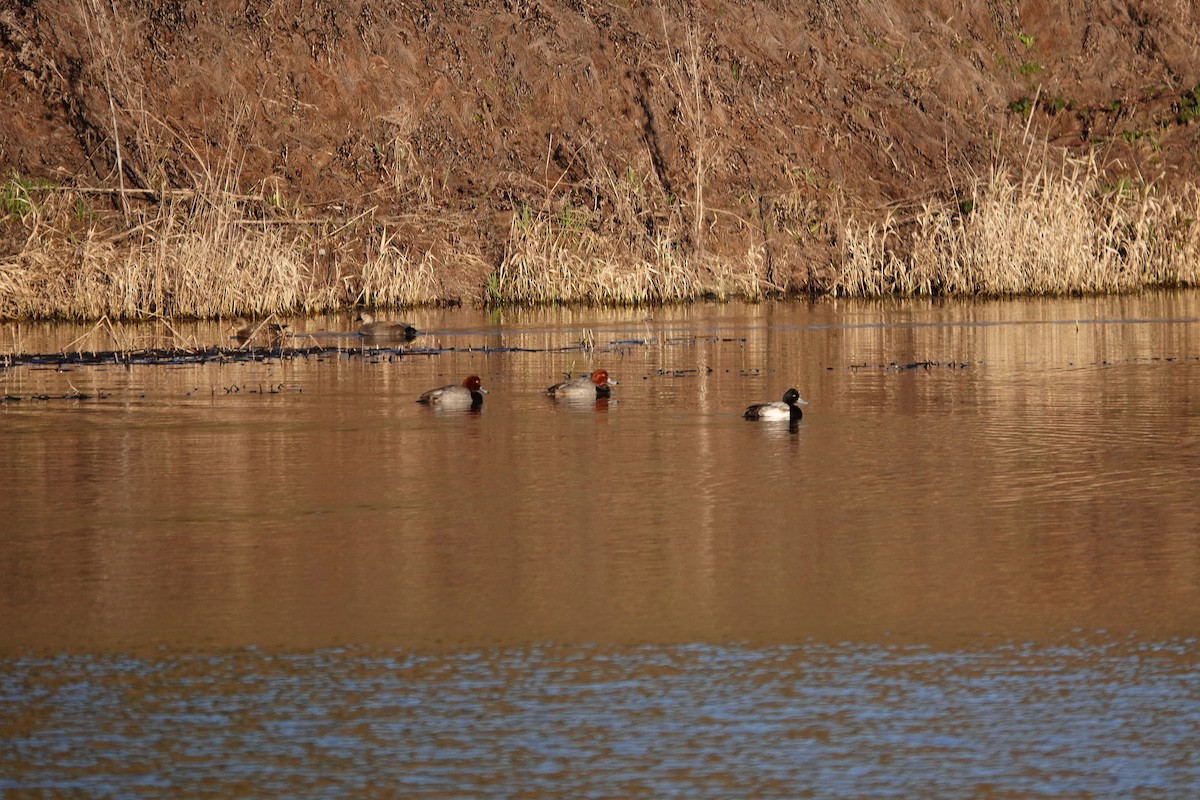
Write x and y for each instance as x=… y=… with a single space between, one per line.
x=472 y=383
x=600 y=377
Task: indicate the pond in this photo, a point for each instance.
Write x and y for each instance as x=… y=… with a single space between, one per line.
x=972 y=568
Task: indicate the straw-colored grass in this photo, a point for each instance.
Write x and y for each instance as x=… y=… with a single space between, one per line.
x=202 y=255
x=213 y=252
x=198 y=244
x=394 y=277
x=1049 y=232
x=547 y=262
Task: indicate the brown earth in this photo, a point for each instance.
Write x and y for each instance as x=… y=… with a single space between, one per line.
x=750 y=122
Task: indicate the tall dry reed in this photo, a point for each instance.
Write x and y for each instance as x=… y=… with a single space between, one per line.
x=1058 y=230
x=548 y=262
x=200 y=254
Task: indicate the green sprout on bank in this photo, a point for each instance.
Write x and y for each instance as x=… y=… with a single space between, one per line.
x=1187 y=108
x=16 y=195
x=493 y=292
x=1022 y=105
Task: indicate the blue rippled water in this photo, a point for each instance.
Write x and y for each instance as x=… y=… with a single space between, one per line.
x=1074 y=719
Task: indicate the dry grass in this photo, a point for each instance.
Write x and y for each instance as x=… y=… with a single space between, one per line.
x=204 y=254
x=549 y=262
x=206 y=248
x=1052 y=231
x=178 y=230
x=394 y=276
x=190 y=256
x=612 y=236
x=211 y=252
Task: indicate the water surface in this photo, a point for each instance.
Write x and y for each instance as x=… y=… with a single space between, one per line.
x=973 y=567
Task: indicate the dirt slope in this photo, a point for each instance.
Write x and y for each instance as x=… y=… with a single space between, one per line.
x=749 y=121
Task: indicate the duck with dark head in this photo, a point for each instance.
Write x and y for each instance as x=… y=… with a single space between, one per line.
x=787 y=409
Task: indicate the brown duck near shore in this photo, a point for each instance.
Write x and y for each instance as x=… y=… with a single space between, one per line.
x=271 y=332
x=383 y=328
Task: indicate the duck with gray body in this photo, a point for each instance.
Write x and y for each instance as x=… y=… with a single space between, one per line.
x=585 y=387
x=787 y=409
x=384 y=329
x=468 y=394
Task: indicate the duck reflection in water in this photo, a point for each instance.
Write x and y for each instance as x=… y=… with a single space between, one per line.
x=271 y=333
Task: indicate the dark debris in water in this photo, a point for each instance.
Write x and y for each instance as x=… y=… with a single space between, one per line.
x=44 y=398
x=163 y=356
x=217 y=355
x=688 y=372
x=246 y=354
x=896 y=366
x=274 y=388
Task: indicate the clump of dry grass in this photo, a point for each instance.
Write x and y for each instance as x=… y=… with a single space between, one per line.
x=395 y=277
x=192 y=255
x=1051 y=231
x=548 y=261
x=203 y=253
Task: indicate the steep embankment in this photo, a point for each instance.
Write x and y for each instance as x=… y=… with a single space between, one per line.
x=233 y=155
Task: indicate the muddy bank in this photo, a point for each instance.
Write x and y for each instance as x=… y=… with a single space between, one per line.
x=188 y=158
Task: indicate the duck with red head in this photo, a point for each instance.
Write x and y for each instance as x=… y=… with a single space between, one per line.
x=468 y=394
x=585 y=387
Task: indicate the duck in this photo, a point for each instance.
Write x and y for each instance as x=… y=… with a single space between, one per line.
x=469 y=394
x=373 y=327
x=585 y=387
x=243 y=329
x=787 y=409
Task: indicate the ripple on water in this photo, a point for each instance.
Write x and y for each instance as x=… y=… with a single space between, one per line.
x=1079 y=718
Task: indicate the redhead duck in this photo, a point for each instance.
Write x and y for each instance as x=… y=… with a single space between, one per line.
x=785 y=410
x=243 y=329
x=468 y=395
x=372 y=327
x=585 y=387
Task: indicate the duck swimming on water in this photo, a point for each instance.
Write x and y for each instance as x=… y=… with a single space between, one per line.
x=243 y=329
x=467 y=395
x=585 y=387
x=373 y=327
x=787 y=409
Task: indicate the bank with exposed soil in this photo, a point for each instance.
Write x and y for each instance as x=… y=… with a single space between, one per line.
x=213 y=159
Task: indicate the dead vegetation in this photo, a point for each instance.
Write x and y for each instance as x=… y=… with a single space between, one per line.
x=1035 y=229
x=567 y=152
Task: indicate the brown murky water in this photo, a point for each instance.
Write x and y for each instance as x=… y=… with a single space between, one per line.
x=973 y=568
